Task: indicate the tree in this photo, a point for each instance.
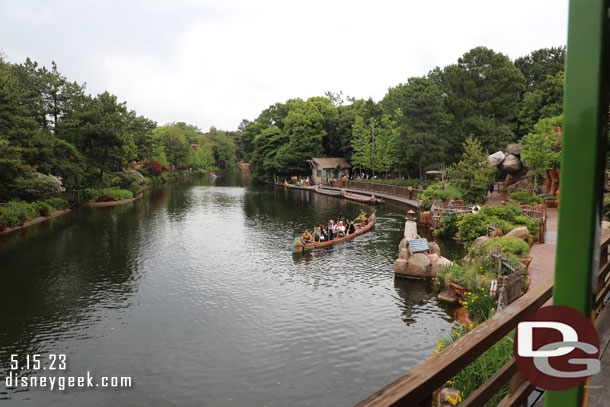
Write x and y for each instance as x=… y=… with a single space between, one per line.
x=304 y=128
x=423 y=121
x=385 y=145
x=539 y=64
x=483 y=92
x=472 y=174
x=540 y=150
x=174 y=142
x=544 y=101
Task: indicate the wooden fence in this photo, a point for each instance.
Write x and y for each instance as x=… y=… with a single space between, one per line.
x=416 y=387
x=379 y=188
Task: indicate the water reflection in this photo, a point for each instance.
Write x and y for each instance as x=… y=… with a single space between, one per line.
x=193 y=291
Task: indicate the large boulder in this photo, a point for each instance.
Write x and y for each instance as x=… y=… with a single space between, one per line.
x=479 y=240
x=400 y=267
x=496 y=158
x=511 y=164
x=440 y=265
x=410 y=230
x=434 y=248
x=402 y=245
x=419 y=266
x=433 y=258
x=404 y=254
x=496 y=233
x=514 y=149
x=521 y=233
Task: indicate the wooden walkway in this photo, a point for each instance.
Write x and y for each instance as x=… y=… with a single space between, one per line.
x=391 y=198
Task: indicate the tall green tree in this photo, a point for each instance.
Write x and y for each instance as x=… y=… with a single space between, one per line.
x=472 y=174
x=482 y=93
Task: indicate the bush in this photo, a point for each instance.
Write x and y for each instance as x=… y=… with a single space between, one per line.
x=15 y=212
x=37 y=185
x=129 y=177
x=153 y=168
x=135 y=188
x=524 y=196
x=506 y=218
x=448 y=226
x=104 y=195
x=436 y=192
x=509 y=244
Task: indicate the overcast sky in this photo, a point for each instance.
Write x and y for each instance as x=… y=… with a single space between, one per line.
x=214 y=63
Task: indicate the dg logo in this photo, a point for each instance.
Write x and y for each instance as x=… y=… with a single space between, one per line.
x=556 y=348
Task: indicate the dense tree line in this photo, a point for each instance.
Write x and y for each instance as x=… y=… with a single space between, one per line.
x=50 y=128
x=418 y=125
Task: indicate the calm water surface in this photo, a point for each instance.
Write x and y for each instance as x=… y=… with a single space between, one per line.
x=194 y=293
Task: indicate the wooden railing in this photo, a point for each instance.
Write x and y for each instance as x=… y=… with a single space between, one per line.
x=379 y=188
x=417 y=387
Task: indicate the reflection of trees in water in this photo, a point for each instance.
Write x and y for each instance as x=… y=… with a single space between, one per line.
x=59 y=277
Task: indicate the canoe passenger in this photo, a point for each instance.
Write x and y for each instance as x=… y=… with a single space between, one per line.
x=307 y=237
x=360 y=218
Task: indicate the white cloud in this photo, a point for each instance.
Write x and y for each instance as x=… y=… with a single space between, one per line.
x=228 y=61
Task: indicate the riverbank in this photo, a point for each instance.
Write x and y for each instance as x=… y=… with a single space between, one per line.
x=34 y=221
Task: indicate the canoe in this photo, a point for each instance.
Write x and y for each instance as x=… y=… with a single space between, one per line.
x=293 y=186
x=329 y=192
x=298 y=246
x=371 y=200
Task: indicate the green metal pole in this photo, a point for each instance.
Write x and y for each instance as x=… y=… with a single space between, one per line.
x=582 y=166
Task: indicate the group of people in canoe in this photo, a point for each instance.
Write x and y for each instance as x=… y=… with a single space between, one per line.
x=333 y=229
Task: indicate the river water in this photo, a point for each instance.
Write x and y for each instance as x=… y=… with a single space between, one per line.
x=192 y=291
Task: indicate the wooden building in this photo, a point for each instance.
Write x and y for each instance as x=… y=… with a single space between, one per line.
x=333 y=167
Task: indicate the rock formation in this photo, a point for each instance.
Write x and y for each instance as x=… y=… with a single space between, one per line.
x=419 y=264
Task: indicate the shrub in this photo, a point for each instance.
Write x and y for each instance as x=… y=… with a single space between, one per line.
x=524 y=196
x=506 y=218
x=509 y=244
x=182 y=167
x=153 y=168
x=135 y=188
x=448 y=226
x=436 y=192
x=37 y=185
x=129 y=177
x=105 y=195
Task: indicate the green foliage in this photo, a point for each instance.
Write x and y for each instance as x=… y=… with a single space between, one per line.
x=483 y=92
x=436 y=192
x=482 y=368
x=524 y=196
x=540 y=150
x=410 y=182
x=473 y=174
x=116 y=194
x=506 y=218
x=448 y=226
x=37 y=185
x=129 y=177
x=509 y=245
x=606 y=204
x=479 y=303
x=11 y=211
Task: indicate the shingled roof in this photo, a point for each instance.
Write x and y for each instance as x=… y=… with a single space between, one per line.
x=331 y=162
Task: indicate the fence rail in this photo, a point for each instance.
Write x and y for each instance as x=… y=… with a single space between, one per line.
x=379 y=188
x=417 y=386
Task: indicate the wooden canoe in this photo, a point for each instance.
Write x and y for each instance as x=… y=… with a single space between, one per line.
x=371 y=200
x=329 y=192
x=298 y=246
